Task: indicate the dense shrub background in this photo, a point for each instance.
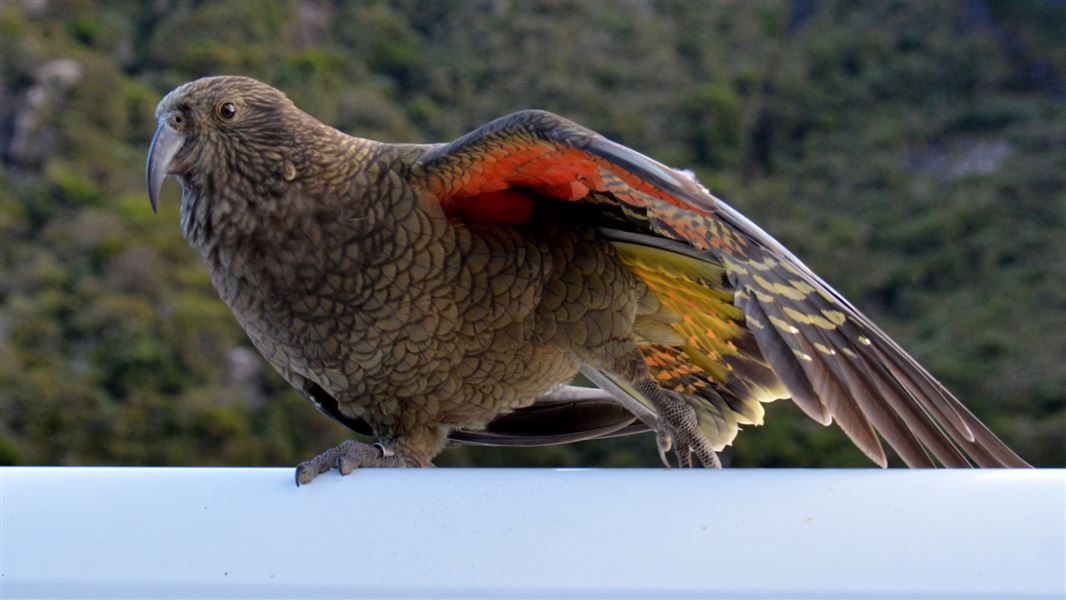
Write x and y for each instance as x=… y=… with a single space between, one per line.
x=913 y=153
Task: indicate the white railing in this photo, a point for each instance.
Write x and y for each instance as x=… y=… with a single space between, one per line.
x=467 y=533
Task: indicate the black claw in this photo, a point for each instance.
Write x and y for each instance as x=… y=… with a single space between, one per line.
x=300 y=469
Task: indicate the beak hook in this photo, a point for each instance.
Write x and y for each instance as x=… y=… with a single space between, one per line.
x=165 y=144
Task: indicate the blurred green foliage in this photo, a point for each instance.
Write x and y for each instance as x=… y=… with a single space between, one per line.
x=912 y=152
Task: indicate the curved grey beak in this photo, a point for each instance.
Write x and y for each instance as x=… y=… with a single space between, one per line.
x=165 y=144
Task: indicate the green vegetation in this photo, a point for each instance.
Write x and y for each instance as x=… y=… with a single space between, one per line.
x=912 y=153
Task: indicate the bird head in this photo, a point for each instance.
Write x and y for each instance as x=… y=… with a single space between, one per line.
x=222 y=133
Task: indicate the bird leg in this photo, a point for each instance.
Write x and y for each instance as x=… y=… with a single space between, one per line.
x=347 y=457
x=678 y=428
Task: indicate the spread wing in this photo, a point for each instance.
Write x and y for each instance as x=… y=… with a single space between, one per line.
x=736 y=318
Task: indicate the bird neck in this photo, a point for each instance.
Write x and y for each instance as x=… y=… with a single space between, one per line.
x=224 y=209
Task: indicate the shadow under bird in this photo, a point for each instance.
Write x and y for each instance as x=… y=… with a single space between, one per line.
x=427 y=294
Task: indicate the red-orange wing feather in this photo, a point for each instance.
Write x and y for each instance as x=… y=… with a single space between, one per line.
x=835 y=363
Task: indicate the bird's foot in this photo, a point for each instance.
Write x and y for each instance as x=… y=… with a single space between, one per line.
x=679 y=429
x=347 y=457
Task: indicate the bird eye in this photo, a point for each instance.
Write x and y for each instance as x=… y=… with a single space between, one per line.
x=227 y=111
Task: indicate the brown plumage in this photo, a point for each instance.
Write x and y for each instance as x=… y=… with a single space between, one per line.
x=421 y=293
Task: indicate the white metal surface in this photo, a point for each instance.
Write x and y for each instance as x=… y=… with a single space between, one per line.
x=241 y=533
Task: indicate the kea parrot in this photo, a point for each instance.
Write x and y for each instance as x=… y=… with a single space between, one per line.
x=427 y=294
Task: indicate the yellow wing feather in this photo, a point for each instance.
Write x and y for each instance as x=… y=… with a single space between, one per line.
x=713 y=358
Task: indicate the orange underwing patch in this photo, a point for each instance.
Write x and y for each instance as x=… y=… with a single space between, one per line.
x=510 y=206
x=534 y=165
x=489 y=187
x=573 y=190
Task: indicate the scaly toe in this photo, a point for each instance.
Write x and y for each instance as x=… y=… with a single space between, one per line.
x=684 y=457
x=305 y=473
x=679 y=429
x=345 y=464
x=349 y=456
